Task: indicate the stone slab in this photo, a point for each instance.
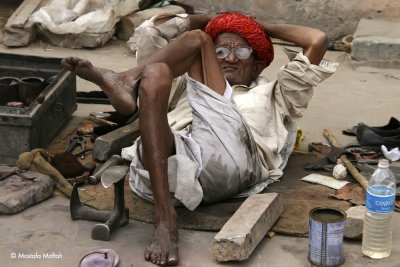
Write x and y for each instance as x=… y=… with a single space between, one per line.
x=112 y=143
x=247 y=227
x=377 y=41
x=127 y=24
x=17 y=193
x=354 y=222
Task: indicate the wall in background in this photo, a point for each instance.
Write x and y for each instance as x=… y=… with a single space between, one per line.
x=335 y=17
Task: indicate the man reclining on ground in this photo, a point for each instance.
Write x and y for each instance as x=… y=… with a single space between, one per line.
x=231 y=128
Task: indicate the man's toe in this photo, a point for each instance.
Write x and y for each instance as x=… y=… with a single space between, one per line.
x=155 y=258
x=147 y=254
x=172 y=258
x=163 y=260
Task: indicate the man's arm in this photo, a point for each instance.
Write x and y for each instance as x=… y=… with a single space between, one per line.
x=314 y=42
x=199 y=21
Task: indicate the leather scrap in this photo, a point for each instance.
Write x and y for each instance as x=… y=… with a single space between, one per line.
x=329 y=161
x=38 y=160
x=321 y=148
x=68 y=165
x=351 y=192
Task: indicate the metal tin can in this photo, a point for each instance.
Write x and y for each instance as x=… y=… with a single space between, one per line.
x=8 y=89
x=85 y=129
x=29 y=88
x=325 y=243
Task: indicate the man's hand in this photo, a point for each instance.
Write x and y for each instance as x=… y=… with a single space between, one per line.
x=199 y=21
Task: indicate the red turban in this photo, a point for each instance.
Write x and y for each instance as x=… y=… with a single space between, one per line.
x=247 y=28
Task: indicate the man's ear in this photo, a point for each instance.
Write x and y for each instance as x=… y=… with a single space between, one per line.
x=258 y=67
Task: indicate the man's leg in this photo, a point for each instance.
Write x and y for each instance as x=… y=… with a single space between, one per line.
x=158 y=142
x=192 y=52
x=158 y=145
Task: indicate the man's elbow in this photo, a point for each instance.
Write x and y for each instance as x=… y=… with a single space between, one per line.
x=195 y=39
x=317 y=48
x=320 y=41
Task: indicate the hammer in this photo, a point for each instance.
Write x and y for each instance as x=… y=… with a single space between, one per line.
x=353 y=170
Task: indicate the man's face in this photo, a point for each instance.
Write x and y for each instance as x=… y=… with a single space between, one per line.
x=236 y=71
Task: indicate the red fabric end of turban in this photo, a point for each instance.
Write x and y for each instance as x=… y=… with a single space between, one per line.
x=247 y=28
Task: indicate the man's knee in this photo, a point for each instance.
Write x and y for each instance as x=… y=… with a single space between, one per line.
x=155 y=82
x=196 y=38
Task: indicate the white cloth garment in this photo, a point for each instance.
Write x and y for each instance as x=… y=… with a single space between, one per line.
x=216 y=156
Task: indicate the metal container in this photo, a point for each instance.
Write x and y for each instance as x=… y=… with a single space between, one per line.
x=29 y=88
x=325 y=243
x=8 y=90
x=35 y=126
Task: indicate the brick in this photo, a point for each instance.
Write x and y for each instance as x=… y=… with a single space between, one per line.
x=354 y=222
x=17 y=194
x=112 y=143
x=247 y=227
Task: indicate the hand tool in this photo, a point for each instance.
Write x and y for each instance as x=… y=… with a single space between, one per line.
x=74 y=142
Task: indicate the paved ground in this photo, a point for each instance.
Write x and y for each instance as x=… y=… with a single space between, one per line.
x=352 y=95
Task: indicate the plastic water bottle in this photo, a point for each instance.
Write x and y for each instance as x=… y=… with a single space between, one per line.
x=378 y=225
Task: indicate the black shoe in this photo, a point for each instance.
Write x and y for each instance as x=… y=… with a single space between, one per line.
x=367 y=137
x=390 y=129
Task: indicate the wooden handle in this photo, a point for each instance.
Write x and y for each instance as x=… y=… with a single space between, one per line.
x=353 y=170
x=331 y=138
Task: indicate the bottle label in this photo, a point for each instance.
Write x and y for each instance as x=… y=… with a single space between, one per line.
x=380 y=199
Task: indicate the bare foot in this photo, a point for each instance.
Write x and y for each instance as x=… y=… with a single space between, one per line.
x=163 y=249
x=120 y=88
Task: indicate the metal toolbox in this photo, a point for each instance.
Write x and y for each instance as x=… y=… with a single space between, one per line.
x=35 y=125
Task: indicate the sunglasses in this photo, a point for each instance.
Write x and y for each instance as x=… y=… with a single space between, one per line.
x=240 y=52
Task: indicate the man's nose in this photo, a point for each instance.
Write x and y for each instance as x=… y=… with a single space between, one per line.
x=231 y=57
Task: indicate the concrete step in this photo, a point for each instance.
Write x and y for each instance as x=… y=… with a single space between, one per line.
x=377 y=42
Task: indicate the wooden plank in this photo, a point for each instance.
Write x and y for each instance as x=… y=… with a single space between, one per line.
x=112 y=143
x=19 y=30
x=247 y=227
x=21 y=15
